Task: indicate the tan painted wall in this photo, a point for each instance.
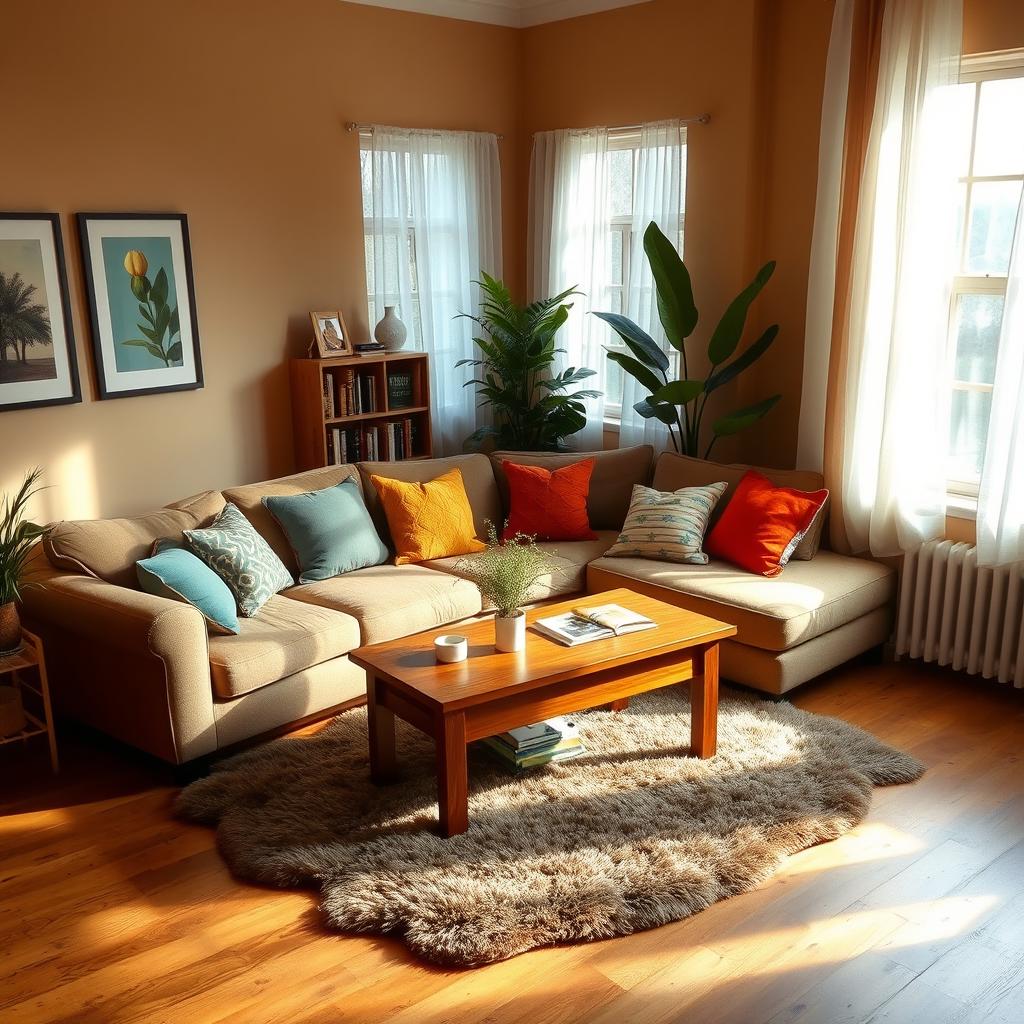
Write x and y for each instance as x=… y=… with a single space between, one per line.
x=231 y=111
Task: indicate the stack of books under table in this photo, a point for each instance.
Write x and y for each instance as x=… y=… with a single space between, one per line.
x=528 y=746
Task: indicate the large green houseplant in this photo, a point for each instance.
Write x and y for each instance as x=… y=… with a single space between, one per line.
x=17 y=538
x=532 y=409
x=680 y=404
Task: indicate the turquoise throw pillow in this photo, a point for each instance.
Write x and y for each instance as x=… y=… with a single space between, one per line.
x=330 y=531
x=173 y=572
x=233 y=549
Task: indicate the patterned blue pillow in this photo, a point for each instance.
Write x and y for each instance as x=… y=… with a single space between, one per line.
x=667 y=526
x=233 y=549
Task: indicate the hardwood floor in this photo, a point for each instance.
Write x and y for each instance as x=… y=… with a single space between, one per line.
x=111 y=911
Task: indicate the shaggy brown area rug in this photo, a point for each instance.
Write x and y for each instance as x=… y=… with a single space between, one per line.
x=629 y=836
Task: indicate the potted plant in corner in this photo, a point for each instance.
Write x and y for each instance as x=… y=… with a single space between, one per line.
x=504 y=573
x=532 y=411
x=17 y=537
x=680 y=404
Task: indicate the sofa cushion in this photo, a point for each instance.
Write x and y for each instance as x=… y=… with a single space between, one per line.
x=390 y=601
x=549 y=504
x=611 y=483
x=673 y=471
x=329 y=530
x=569 y=557
x=774 y=613
x=477 y=477
x=286 y=637
x=249 y=500
x=109 y=548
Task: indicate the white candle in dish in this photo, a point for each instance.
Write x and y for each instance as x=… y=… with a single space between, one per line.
x=451 y=647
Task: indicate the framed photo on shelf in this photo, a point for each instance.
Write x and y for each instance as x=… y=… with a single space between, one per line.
x=331 y=334
x=38 y=365
x=138 y=276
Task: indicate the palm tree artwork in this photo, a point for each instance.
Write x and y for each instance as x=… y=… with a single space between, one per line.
x=24 y=323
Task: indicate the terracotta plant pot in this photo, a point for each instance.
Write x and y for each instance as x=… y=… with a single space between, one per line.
x=12 y=714
x=10 y=628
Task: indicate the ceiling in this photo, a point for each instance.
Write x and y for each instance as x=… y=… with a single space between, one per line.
x=513 y=13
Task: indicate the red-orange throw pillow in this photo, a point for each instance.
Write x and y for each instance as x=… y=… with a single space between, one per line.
x=549 y=504
x=762 y=524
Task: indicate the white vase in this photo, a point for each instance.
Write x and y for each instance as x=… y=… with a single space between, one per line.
x=510 y=632
x=390 y=332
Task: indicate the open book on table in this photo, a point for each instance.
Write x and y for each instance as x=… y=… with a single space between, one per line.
x=585 y=624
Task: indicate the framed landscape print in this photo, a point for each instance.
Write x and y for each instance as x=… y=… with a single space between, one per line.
x=331 y=333
x=37 y=345
x=138 y=274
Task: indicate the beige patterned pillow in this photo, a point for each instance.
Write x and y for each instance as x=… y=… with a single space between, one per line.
x=667 y=526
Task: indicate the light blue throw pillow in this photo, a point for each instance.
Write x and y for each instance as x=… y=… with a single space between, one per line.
x=173 y=572
x=233 y=549
x=330 y=531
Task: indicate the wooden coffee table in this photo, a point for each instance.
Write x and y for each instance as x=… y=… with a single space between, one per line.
x=492 y=691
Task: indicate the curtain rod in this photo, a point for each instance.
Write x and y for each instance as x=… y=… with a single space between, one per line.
x=358 y=126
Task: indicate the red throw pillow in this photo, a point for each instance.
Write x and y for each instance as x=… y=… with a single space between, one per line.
x=549 y=504
x=762 y=524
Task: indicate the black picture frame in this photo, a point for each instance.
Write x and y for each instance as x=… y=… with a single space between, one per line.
x=74 y=394
x=103 y=371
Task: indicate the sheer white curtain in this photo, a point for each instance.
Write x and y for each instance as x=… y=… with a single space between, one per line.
x=658 y=188
x=432 y=202
x=569 y=225
x=895 y=372
x=1001 y=495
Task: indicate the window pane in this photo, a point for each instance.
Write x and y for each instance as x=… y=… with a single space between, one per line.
x=968 y=430
x=615 y=257
x=1000 y=145
x=990 y=231
x=613 y=383
x=961 y=203
x=978 y=319
x=620 y=181
x=962 y=114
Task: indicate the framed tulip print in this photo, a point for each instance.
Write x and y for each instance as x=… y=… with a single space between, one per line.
x=37 y=345
x=138 y=275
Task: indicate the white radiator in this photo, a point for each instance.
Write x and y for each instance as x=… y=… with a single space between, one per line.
x=954 y=613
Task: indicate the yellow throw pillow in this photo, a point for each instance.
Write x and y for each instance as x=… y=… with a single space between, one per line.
x=431 y=520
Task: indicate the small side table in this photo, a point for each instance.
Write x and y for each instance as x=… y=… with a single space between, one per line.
x=38 y=691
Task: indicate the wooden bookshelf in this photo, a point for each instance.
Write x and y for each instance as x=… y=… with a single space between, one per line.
x=357 y=408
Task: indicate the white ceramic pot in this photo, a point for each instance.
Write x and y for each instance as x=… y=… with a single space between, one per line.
x=510 y=632
x=390 y=332
x=450 y=648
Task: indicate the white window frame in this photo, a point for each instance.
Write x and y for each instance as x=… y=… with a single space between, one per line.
x=629 y=138
x=977 y=68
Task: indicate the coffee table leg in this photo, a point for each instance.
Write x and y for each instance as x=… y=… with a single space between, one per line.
x=452 y=776
x=618 y=705
x=383 y=762
x=704 y=706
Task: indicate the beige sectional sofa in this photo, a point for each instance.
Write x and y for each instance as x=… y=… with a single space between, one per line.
x=144 y=669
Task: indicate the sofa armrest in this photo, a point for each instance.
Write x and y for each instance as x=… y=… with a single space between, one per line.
x=133 y=664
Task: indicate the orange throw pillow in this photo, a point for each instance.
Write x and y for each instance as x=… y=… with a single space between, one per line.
x=549 y=504
x=762 y=524
x=431 y=520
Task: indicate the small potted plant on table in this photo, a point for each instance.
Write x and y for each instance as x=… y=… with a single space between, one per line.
x=504 y=573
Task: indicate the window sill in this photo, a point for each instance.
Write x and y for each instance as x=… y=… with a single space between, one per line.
x=962 y=506
x=612 y=425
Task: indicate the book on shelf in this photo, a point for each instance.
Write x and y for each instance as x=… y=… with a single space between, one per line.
x=388 y=441
x=584 y=625
x=367 y=348
x=400 y=389
x=556 y=739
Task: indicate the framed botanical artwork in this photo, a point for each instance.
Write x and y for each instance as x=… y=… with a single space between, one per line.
x=38 y=365
x=138 y=275
x=331 y=334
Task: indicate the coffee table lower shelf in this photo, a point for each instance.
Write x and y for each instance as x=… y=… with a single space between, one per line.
x=453 y=730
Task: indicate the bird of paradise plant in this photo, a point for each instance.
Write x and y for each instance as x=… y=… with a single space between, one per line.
x=161 y=321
